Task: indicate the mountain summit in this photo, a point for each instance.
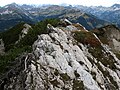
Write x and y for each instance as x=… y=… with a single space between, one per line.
x=116 y=6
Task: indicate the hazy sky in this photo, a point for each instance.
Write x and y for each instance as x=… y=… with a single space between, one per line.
x=72 y=2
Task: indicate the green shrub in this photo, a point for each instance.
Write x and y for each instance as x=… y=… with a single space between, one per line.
x=11 y=36
x=10 y=56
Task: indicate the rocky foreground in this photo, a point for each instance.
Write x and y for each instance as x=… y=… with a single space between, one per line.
x=59 y=61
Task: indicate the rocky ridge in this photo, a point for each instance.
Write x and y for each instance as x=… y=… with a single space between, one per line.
x=61 y=62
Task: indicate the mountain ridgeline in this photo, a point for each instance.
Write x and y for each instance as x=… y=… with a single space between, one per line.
x=111 y=14
x=59 y=55
x=12 y=14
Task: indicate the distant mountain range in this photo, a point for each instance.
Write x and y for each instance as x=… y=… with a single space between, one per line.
x=111 y=14
x=13 y=14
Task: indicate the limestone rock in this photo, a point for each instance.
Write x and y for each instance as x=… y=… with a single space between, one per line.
x=59 y=62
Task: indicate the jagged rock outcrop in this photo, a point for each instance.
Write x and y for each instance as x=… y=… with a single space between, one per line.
x=112 y=35
x=60 y=62
x=24 y=32
x=2 y=48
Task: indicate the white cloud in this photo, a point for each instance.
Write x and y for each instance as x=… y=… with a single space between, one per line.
x=78 y=2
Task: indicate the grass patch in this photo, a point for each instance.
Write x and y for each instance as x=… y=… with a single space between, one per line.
x=86 y=38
